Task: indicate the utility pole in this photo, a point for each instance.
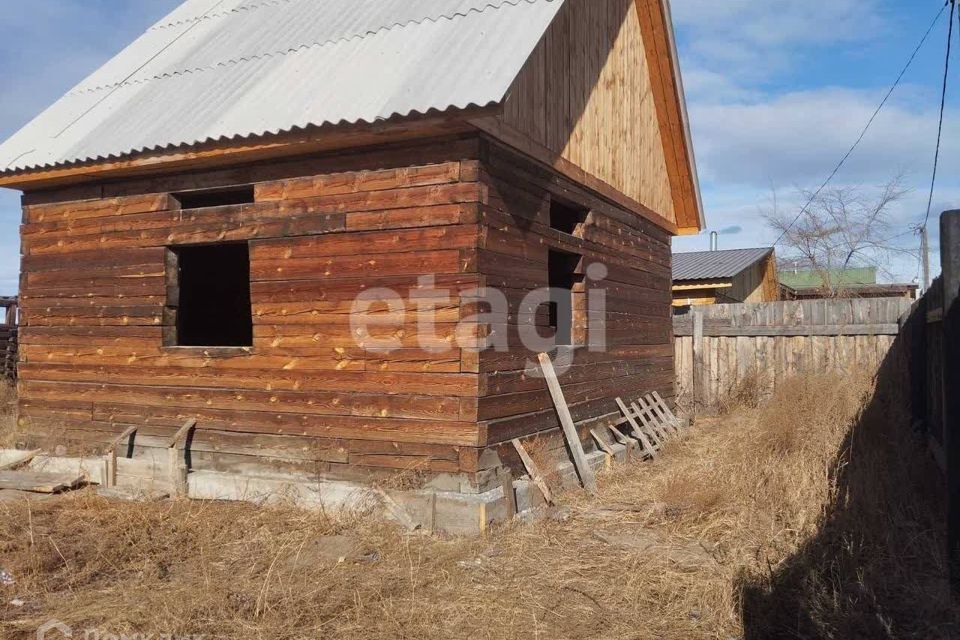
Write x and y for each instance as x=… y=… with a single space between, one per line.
x=925 y=255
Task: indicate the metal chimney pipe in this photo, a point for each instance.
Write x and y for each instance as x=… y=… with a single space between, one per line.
x=714 y=241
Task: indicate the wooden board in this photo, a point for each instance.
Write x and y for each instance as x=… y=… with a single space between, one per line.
x=658 y=414
x=11 y=459
x=509 y=493
x=604 y=446
x=648 y=446
x=668 y=412
x=650 y=422
x=584 y=469
x=533 y=471
x=39 y=482
x=585 y=95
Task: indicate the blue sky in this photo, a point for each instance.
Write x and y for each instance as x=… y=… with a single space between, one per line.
x=777 y=92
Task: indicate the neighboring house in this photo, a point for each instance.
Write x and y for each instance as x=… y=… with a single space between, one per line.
x=858 y=282
x=201 y=213
x=720 y=277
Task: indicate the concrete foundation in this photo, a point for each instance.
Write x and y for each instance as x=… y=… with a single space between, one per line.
x=429 y=509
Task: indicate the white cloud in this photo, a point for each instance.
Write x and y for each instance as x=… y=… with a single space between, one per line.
x=753 y=137
x=778 y=23
x=796 y=138
x=702 y=84
x=752 y=39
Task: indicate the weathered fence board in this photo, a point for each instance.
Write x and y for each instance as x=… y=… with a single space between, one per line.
x=948 y=357
x=8 y=338
x=721 y=348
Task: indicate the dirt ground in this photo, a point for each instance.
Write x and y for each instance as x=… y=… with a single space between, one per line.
x=810 y=516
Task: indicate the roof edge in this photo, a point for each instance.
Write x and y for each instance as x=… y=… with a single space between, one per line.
x=219 y=153
x=684 y=118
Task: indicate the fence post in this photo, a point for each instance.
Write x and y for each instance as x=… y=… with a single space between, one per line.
x=699 y=396
x=11 y=318
x=950 y=262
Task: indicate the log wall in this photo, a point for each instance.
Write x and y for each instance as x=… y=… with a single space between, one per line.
x=96 y=305
x=515 y=241
x=94 y=294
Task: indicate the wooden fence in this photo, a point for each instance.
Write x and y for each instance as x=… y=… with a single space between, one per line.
x=931 y=338
x=722 y=348
x=924 y=333
x=8 y=338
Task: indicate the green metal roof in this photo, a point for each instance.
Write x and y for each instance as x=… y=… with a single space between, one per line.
x=807 y=279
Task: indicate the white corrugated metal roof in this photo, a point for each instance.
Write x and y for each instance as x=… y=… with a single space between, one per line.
x=222 y=69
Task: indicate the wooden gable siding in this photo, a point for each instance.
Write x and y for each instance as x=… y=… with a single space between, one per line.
x=758 y=283
x=586 y=95
x=94 y=294
x=515 y=239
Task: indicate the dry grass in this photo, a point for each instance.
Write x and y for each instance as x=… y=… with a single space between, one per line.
x=748 y=392
x=8 y=410
x=789 y=521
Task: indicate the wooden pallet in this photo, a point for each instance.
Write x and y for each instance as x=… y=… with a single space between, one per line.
x=651 y=421
x=8 y=352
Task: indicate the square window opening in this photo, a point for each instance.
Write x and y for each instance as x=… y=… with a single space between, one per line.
x=212 y=301
x=215 y=197
x=564 y=305
x=566 y=217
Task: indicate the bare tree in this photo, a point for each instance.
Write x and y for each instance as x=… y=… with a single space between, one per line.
x=841 y=228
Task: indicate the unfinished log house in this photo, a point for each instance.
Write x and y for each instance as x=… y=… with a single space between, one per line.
x=200 y=215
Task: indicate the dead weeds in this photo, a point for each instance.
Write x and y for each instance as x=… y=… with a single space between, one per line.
x=8 y=413
x=752 y=526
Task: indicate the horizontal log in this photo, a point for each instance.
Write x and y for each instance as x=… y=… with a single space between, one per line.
x=367 y=242
x=714 y=330
x=96 y=208
x=313 y=403
x=412 y=217
x=213 y=376
x=413 y=263
x=349 y=427
x=359 y=181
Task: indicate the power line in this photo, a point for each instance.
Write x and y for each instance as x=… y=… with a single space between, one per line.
x=863 y=133
x=943 y=106
x=899 y=235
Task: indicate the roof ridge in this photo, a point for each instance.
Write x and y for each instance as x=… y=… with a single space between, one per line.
x=687 y=253
x=490 y=4
x=253 y=6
